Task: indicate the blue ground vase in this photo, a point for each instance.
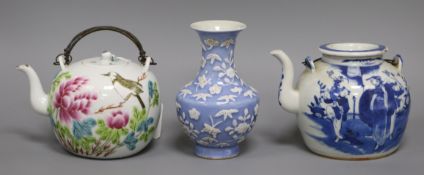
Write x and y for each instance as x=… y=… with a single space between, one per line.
x=217 y=109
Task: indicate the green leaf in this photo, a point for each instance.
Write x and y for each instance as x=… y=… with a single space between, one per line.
x=151 y=130
x=138 y=115
x=123 y=131
x=133 y=124
x=143 y=137
x=50 y=110
x=89 y=139
x=64 y=130
x=101 y=123
x=84 y=143
x=146 y=135
x=59 y=78
x=103 y=131
x=100 y=130
x=155 y=99
x=115 y=137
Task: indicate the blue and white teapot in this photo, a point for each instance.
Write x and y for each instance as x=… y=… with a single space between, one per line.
x=351 y=103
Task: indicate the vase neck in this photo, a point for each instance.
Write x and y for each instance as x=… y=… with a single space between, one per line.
x=217 y=50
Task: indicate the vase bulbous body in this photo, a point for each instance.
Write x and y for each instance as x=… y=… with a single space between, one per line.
x=217 y=109
x=352 y=104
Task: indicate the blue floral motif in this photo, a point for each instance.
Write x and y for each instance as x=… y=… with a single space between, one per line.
x=382 y=114
x=130 y=141
x=151 y=89
x=144 y=125
x=81 y=129
x=280 y=86
x=52 y=122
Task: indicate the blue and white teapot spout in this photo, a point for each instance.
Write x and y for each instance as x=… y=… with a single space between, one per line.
x=288 y=95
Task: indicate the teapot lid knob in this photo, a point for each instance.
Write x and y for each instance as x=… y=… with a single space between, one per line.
x=107 y=58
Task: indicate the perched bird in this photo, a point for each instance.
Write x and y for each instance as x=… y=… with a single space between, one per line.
x=127 y=87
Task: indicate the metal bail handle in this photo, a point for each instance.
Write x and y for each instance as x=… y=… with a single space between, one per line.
x=67 y=51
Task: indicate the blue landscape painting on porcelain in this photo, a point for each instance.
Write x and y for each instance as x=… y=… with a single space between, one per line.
x=370 y=120
x=217 y=109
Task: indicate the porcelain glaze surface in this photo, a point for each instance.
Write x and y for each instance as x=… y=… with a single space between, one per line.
x=352 y=104
x=217 y=109
x=104 y=107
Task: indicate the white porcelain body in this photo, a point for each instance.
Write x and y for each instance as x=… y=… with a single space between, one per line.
x=89 y=111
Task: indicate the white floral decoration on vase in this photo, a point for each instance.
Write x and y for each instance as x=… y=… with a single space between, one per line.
x=256 y=109
x=226 y=99
x=188 y=84
x=185 y=92
x=215 y=89
x=210 y=43
x=227 y=43
x=241 y=125
x=249 y=93
x=230 y=72
x=190 y=131
x=202 y=81
x=188 y=127
x=194 y=114
x=226 y=72
x=178 y=105
x=237 y=90
x=207 y=140
x=226 y=113
x=211 y=130
x=242 y=128
x=213 y=57
x=202 y=96
x=222 y=144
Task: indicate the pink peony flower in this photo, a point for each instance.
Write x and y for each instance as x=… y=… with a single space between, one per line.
x=71 y=103
x=117 y=120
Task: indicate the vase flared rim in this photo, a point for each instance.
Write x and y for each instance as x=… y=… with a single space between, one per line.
x=353 y=49
x=217 y=26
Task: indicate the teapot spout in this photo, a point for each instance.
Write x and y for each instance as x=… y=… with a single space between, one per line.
x=39 y=99
x=288 y=95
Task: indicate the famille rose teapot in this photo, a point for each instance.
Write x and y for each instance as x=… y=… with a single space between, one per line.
x=103 y=107
x=351 y=103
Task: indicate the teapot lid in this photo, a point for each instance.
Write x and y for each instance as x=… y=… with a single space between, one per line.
x=106 y=59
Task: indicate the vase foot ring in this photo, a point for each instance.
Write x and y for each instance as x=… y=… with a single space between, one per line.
x=216 y=153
